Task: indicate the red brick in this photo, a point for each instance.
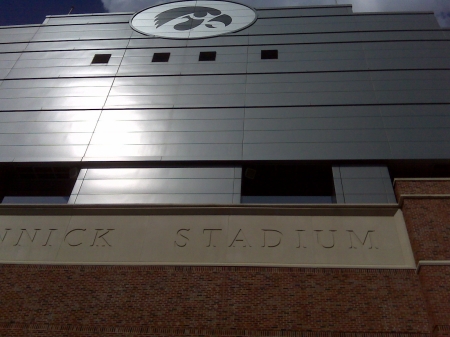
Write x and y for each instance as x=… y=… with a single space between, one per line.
x=428 y=222
x=219 y=301
x=435 y=282
x=422 y=187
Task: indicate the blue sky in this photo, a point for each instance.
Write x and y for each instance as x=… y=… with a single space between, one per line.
x=17 y=12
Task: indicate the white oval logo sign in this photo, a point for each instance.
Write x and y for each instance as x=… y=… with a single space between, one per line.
x=193 y=19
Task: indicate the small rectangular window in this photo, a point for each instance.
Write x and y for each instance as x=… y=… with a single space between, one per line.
x=101 y=59
x=207 y=56
x=269 y=54
x=161 y=57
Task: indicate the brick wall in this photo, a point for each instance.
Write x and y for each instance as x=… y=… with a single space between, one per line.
x=135 y=333
x=79 y=301
x=442 y=332
x=435 y=282
x=433 y=186
x=427 y=221
x=427 y=216
x=208 y=301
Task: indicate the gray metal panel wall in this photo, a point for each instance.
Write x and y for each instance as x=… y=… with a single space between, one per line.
x=39 y=136
x=345 y=87
x=220 y=185
x=86 y=19
x=363 y=185
x=304 y=11
x=17 y=34
x=165 y=134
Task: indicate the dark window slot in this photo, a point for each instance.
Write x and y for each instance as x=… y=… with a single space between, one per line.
x=207 y=56
x=287 y=184
x=101 y=59
x=269 y=54
x=161 y=57
x=36 y=185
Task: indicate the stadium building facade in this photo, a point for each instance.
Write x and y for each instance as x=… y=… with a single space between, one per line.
x=201 y=168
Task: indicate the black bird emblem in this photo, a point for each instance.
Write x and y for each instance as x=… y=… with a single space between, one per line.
x=194 y=15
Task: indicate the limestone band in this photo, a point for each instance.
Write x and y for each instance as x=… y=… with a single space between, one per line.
x=325 y=241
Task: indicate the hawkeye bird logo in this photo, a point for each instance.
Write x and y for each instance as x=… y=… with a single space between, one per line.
x=193 y=19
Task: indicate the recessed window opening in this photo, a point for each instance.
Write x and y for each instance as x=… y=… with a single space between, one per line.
x=161 y=57
x=101 y=59
x=428 y=169
x=287 y=184
x=207 y=56
x=269 y=54
x=36 y=185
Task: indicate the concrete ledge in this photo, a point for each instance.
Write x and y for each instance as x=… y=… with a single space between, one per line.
x=432 y=263
x=211 y=265
x=266 y=209
x=421 y=196
x=421 y=179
